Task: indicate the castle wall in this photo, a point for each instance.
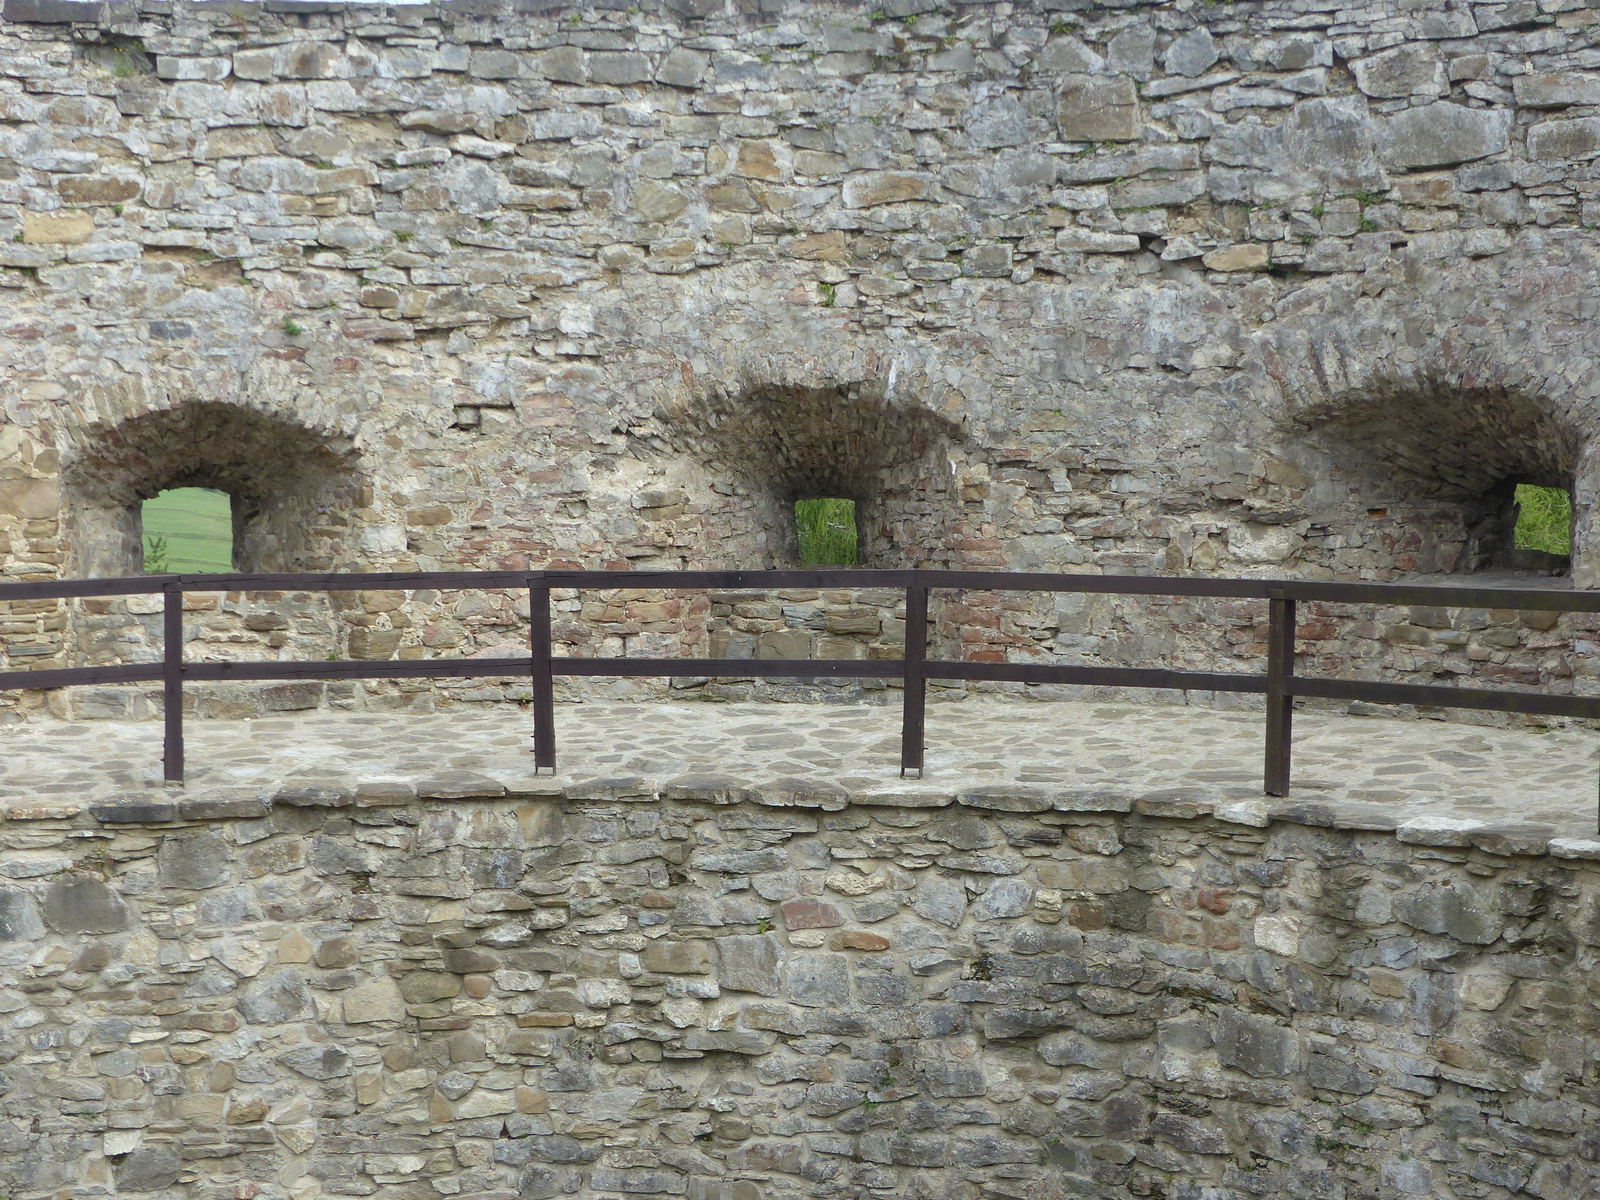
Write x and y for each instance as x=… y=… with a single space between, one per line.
x=411 y=989
x=1251 y=289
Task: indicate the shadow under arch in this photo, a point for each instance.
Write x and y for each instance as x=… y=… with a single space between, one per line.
x=1452 y=441
x=294 y=490
x=779 y=443
x=1420 y=409
x=1452 y=457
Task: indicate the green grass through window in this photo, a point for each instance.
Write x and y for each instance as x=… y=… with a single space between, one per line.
x=188 y=530
x=827 y=532
x=1544 y=519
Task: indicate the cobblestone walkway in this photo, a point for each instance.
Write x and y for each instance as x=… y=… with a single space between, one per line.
x=1349 y=771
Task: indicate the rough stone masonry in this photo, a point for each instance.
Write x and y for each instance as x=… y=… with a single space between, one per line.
x=1186 y=288
x=413 y=987
x=1256 y=288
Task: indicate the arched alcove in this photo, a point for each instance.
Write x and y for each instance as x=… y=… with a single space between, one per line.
x=1441 y=464
x=1419 y=408
x=778 y=444
x=293 y=490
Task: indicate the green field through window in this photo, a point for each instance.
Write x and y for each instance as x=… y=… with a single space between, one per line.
x=188 y=530
x=1544 y=519
x=827 y=532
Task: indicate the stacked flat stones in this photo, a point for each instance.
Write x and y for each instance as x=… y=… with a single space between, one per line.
x=1178 y=289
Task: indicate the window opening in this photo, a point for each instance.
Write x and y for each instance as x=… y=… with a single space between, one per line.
x=188 y=531
x=1544 y=519
x=827 y=532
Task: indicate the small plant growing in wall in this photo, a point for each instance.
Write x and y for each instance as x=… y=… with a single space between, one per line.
x=292 y=327
x=1544 y=519
x=155 y=555
x=98 y=861
x=827 y=531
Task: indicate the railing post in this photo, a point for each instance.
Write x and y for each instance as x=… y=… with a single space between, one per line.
x=544 y=699
x=1280 y=704
x=172 y=681
x=914 y=702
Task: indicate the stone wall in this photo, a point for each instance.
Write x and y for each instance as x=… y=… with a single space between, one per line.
x=1252 y=288
x=414 y=990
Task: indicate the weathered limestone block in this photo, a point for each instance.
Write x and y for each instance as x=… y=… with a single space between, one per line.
x=1096 y=109
x=196 y=861
x=31 y=499
x=420 y=987
x=1238 y=258
x=1094 y=241
x=883 y=187
x=998 y=123
x=1260 y=1048
x=680 y=958
x=1403 y=71
x=1192 y=54
x=750 y=964
x=97 y=189
x=1334 y=139
x=279 y=997
x=76 y=904
x=1556 y=89
x=1463 y=912
x=318 y=1062
x=1004 y=898
x=941 y=900
x=1574 y=138
x=1264 y=543
x=658 y=202
x=69 y=228
x=148 y=1169
x=682 y=67
x=1442 y=134
x=19 y=917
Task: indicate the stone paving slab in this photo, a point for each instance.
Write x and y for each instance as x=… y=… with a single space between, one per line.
x=1516 y=789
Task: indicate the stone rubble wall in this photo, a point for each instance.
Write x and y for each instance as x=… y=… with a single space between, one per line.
x=1267 y=288
x=415 y=989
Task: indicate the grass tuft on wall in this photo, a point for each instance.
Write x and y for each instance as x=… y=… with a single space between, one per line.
x=1544 y=519
x=827 y=532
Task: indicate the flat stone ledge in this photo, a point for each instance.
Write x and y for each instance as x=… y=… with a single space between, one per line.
x=55 y=12
x=1501 y=791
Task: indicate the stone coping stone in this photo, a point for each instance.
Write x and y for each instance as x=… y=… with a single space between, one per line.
x=1503 y=791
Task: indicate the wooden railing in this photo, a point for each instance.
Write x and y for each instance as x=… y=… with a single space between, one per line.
x=1279 y=684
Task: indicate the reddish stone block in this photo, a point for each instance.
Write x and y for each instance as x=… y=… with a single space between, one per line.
x=805 y=912
x=1087 y=916
x=860 y=939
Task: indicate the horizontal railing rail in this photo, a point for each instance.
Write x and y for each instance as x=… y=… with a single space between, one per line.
x=1279 y=684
